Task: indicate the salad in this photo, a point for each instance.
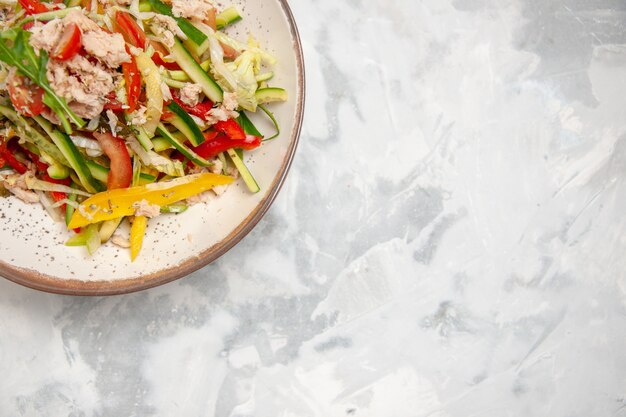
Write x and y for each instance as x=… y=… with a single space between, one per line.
x=126 y=109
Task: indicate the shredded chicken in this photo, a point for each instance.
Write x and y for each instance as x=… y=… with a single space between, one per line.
x=16 y=185
x=46 y=36
x=108 y=48
x=82 y=83
x=166 y=92
x=225 y=111
x=165 y=28
x=138 y=117
x=197 y=9
x=190 y=94
x=120 y=241
x=144 y=208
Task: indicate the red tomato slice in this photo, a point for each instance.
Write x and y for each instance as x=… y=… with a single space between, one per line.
x=69 y=44
x=231 y=129
x=27 y=98
x=34 y=6
x=121 y=173
x=130 y=30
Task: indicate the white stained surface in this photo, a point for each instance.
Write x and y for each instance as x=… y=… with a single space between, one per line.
x=449 y=242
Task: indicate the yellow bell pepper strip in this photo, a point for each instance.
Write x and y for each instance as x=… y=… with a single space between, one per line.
x=137 y=231
x=120 y=202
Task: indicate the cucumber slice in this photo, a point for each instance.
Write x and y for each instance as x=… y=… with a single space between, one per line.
x=101 y=173
x=247 y=177
x=183 y=122
x=196 y=50
x=161 y=144
x=93 y=238
x=174 y=208
x=98 y=171
x=173 y=83
x=69 y=210
x=144 y=6
x=188 y=153
x=196 y=73
x=179 y=75
x=246 y=124
x=47 y=16
x=227 y=17
x=58 y=172
x=270 y=94
x=143 y=138
x=71 y=153
x=108 y=228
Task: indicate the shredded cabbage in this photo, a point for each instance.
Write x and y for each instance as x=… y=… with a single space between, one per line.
x=153 y=159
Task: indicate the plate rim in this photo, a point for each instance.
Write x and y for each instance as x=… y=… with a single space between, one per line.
x=42 y=282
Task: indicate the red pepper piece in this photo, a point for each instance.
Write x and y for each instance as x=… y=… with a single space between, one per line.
x=200 y=110
x=216 y=143
x=130 y=30
x=34 y=6
x=231 y=129
x=11 y=160
x=133 y=83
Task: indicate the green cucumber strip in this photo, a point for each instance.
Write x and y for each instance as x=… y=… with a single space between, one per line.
x=144 y=6
x=174 y=208
x=227 y=17
x=185 y=124
x=136 y=171
x=71 y=153
x=188 y=29
x=161 y=144
x=101 y=173
x=108 y=228
x=247 y=177
x=195 y=50
x=173 y=83
x=270 y=95
x=72 y=3
x=143 y=138
x=93 y=238
x=31 y=135
x=69 y=210
x=188 y=153
x=273 y=119
x=58 y=172
x=179 y=75
x=98 y=171
x=246 y=124
x=196 y=73
x=47 y=16
x=79 y=239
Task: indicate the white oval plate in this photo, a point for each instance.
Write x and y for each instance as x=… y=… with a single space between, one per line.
x=32 y=250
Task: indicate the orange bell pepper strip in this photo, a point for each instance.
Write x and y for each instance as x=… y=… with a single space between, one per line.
x=137 y=232
x=121 y=202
